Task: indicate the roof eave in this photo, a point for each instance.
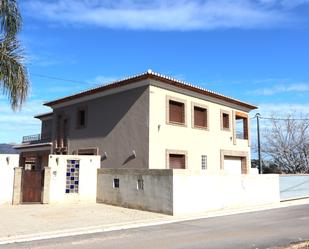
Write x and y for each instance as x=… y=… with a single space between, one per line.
x=98 y=89
x=202 y=91
x=155 y=76
x=44 y=115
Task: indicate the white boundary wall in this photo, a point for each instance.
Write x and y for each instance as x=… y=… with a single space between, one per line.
x=183 y=191
x=294 y=186
x=199 y=193
x=87 y=178
x=7 y=164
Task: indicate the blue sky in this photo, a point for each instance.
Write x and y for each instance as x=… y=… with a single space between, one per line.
x=253 y=50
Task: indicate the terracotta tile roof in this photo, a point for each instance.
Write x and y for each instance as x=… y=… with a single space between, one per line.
x=151 y=75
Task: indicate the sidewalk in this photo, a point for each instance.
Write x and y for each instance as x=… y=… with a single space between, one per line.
x=35 y=222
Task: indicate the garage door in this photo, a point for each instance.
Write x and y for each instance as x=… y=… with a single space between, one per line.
x=232 y=165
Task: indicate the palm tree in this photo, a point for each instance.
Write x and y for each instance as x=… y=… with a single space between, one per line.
x=13 y=76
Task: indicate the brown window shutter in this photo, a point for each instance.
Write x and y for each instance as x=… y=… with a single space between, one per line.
x=226 y=120
x=200 y=117
x=176 y=112
x=177 y=161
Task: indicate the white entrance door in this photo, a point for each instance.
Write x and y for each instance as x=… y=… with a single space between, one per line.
x=232 y=165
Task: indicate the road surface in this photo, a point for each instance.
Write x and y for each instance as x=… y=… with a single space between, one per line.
x=262 y=229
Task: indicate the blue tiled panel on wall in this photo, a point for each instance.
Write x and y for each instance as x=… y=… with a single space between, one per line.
x=72 y=176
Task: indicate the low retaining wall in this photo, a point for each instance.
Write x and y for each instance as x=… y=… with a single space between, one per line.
x=294 y=186
x=58 y=181
x=156 y=195
x=183 y=191
x=7 y=164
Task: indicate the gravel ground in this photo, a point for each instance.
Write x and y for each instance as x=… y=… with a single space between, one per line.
x=298 y=245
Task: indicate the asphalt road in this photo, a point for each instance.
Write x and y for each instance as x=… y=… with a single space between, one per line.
x=263 y=229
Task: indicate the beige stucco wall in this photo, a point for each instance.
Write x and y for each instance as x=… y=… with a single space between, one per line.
x=195 y=142
x=87 y=178
x=7 y=164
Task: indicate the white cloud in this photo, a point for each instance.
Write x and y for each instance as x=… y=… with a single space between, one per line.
x=281 y=110
x=164 y=15
x=268 y=91
x=14 y=125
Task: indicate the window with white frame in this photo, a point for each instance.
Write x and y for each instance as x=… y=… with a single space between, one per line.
x=203 y=162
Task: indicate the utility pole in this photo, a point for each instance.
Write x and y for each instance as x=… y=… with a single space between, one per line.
x=259 y=142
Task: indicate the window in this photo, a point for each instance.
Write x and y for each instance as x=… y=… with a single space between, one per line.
x=176 y=112
x=140 y=184
x=177 y=161
x=72 y=177
x=241 y=126
x=200 y=117
x=225 y=121
x=59 y=131
x=204 y=162
x=81 y=118
x=88 y=151
x=116 y=183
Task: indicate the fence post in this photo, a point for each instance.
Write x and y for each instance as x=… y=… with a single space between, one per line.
x=46 y=186
x=17 y=186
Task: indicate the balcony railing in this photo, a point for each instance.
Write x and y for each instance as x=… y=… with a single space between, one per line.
x=37 y=138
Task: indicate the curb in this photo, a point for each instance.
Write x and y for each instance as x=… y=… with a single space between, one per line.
x=123 y=226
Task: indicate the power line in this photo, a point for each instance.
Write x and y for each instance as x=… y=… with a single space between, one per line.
x=62 y=79
x=285 y=119
x=282 y=119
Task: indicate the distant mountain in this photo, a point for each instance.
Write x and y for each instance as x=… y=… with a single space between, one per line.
x=7 y=149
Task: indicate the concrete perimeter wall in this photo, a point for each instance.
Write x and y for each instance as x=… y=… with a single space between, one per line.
x=157 y=195
x=199 y=193
x=88 y=166
x=294 y=186
x=7 y=164
x=183 y=191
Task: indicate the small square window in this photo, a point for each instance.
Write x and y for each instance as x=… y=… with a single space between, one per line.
x=204 y=162
x=225 y=121
x=140 y=184
x=81 y=117
x=116 y=183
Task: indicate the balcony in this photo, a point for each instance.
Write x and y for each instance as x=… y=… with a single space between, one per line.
x=37 y=138
x=240 y=135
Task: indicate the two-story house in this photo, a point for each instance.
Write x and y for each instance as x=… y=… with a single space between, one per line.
x=146 y=121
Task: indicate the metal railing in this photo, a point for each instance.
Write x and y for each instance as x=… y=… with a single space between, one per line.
x=240 y=135
x=37 y=138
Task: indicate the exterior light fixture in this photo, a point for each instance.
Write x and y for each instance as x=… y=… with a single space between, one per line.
x=104 y=156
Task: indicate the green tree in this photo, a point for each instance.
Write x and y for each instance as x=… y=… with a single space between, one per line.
x=13 y=75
